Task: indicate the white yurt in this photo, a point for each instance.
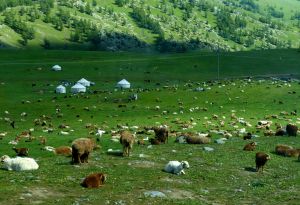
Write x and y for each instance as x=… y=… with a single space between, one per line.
x=84 y=82
x=123 y=84
x=78 y=88
x=60 y=89
x=56 y=68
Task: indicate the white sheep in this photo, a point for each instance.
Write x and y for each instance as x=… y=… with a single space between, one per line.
x=176 y=167
x=19 y=163
x=64 y=133
x=100 y=133
x=49 y=148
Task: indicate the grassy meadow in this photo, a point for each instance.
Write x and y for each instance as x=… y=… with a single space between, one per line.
x=223 y=176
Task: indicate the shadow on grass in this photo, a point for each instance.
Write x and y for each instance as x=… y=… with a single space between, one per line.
x=250 y=169
x=297 y=160
x=115 y=153
x=64 y=163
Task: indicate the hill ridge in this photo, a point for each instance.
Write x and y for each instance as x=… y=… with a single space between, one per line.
x=165 y=25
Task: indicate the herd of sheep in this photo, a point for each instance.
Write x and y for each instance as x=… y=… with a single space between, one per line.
x=81 y=148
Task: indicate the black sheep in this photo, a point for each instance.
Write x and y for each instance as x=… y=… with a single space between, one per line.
x=261 y=159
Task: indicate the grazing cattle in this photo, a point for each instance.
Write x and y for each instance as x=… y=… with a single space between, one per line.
x=141 y=142
x=19 y=163
x=292 y=153
x=127 y=140
x=161 y=133
x=280 y=132
x=81 y=148
x=281 y=149
x=269 y=133
x=21 y=152
x=250 y=147
x=94 y=180
x=248 y=136
x=154 y=141
x=63 y=150
x=261 y=159
x=176 y=167
x=43 y=140
x=197 y=139
x=291 y=130
x=25 y=134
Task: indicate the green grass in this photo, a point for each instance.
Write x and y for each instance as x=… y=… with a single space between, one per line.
x=218 y=177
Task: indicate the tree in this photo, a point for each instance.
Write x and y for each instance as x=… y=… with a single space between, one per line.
x=46 y=44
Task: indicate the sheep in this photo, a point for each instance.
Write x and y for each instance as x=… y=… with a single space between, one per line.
x=281 y=149
x=94 y=180
x=63 y=126
x=154 y=141
x=25 y=134
x=250 y=146
x=292 y=153
x=269 y=133
x=100 y=133
x=291 y=130
x=197 y=139
x=3 y=134
x=64 y=133
x=81 y=149
x=42 y=140
x=176 y=167
x=280 y=132
x=127 y=140
x=21 y=152
x=48 y=148
x=19 y=163
x=63 y=150
x=248 y=136
x=261 y=159
x=161 y=133
x=141 y=142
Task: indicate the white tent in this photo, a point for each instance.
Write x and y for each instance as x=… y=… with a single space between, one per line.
x=123 y=84
x=78 y=88
x=84 y=82
x=56 y=68
x=60 y=89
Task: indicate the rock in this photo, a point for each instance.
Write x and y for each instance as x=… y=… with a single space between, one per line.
x=254 y=136
x=208 y=149
x=181 y=140
x=220 y=141
x=199 y=89
x=143 y=156
x=205 y=191
x=120 y=202
x=115 y=140
x=154 y=194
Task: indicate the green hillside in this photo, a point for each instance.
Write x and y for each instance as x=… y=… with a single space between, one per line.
x=165 y=25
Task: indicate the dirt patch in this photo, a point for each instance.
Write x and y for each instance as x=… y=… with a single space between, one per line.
x=37 y=195
x=142 y=164
x=179 y=194
x=177 y=181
